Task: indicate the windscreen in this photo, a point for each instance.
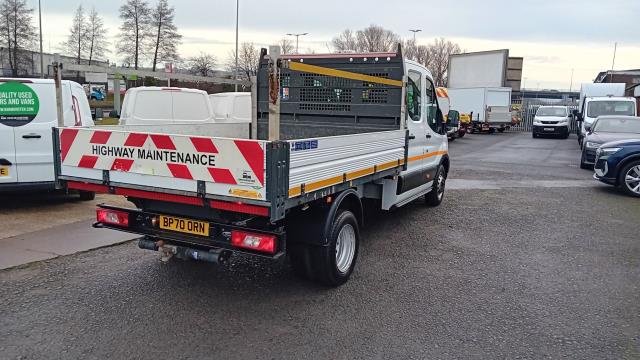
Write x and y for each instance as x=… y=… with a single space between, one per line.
x=552 y=111
x=615 y=125
x=611 y=107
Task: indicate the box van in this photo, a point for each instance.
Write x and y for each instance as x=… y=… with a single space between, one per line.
x=231 y=107
x=148 y=105
x=602 y=99
x=27 y=114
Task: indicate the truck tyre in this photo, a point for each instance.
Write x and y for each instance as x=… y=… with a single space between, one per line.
x=87 y=195
x=626 y=179
x=333 y=264
x=435 y=196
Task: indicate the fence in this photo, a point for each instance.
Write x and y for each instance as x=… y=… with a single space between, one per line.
x=528 y=108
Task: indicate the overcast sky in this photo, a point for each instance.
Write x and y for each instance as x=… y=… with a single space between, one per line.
x=553 y=36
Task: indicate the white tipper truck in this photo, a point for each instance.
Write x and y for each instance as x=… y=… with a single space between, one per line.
x=598 y=99
x=333 y=131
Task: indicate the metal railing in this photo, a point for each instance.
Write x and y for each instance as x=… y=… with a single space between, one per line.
x=529 y=107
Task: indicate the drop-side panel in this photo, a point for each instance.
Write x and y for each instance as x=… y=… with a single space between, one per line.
x=322 y=162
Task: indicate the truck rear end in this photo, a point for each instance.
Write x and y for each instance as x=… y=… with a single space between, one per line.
x=200 y=194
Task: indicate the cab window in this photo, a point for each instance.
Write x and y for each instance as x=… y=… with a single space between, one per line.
x=414 y=96
x=431 y=105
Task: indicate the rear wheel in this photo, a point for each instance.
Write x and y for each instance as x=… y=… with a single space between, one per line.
x=501 y=130
x=435 y=196
x=629 y=179
x=333 y=264
x=534 y=135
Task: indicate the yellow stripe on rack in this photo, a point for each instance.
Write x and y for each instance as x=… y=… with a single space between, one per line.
x=297 y=66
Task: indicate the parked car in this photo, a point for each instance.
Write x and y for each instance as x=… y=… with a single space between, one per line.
x=551 y=120
x=618 y=164
x=606 y=129
x=27 y=114
x=96 y=94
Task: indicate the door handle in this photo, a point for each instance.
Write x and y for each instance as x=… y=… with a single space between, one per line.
x=428 y=136
x=31 y=136
x=411 y=137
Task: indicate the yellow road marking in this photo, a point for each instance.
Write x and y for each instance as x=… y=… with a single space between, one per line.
x=342 y=74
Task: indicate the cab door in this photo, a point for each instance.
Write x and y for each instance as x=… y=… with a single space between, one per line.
x=436 y=136
x=414 y=176
x=33 y=140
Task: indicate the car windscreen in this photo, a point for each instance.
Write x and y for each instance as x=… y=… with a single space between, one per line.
x=551 y=111
x=615 y=125
x=611 y=107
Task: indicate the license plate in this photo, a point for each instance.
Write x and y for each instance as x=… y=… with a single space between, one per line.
x=549 y=129
x=184 y=225
x=4 y=171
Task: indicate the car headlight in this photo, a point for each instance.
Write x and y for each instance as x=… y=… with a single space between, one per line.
x=590 y=144
x=604 y=153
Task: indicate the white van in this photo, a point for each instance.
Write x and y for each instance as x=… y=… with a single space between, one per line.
x=231 y=107
x=27 y=114
x=148 y=105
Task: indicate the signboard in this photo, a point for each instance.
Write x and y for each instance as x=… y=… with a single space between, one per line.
x=19 y=104
x=93 y=77
x=168 y=68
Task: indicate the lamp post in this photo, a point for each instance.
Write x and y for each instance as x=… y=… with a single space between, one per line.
x=41 y=59
x=414 y=31
x=235 y=76
x=297 y=38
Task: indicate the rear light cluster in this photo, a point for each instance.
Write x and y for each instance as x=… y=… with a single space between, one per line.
x=253 y=241
x=113 y=217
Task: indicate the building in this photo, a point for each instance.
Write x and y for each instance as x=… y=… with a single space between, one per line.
x=630 y=77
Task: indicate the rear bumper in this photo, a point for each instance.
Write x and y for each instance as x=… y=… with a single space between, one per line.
x=141 y=223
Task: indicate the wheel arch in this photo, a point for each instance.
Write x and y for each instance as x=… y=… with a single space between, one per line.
x=624 y=162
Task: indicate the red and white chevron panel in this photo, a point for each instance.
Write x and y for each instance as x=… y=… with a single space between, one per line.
x=218 y=160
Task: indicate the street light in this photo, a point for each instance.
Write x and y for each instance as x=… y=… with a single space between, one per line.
x=41 y=59
x=414 y=31
x=235 y=76
x=297 y=37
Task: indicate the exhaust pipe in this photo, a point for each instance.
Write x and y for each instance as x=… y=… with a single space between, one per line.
x=216 y=256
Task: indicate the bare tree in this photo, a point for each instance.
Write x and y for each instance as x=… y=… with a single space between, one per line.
x=96 y=36
x=248 y=60
x=418 y=53
x=202 y=64
x=17 y=33
x=166 y=36
x=440 y=51
x=375 y=38
x=77 y=43
x=345 y=41
x=134 y=31
x=286 y=46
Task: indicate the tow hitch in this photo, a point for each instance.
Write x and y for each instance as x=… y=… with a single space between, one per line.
x=216 y=256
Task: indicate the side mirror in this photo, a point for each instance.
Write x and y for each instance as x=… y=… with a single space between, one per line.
x=442 y=125
x=114 y=114
x=588 y=128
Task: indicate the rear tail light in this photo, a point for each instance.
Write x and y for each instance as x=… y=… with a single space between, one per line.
x=253 y=241
x=112 y=217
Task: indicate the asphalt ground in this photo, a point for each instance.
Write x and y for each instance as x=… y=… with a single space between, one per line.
x=527 y=257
